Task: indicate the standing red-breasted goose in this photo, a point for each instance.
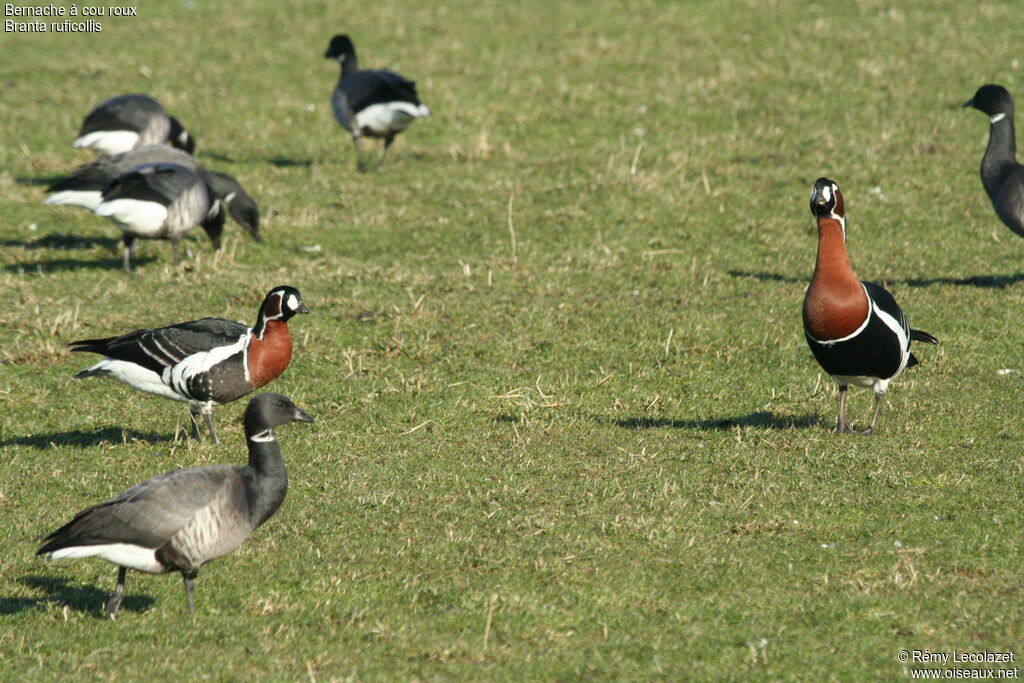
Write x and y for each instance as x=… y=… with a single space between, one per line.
x=203 y=362
x=855 y=329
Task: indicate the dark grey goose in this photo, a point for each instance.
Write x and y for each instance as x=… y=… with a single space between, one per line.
x=179 y=521
x=126 y=122
x=84 y=187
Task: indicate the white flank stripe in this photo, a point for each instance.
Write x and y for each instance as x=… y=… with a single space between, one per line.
x=139 y=217
x=88 y=199
x=108 y=142
x=898 y=330
x=390 y=117
x=136 y=377
x=122 y=554
x=199 y=363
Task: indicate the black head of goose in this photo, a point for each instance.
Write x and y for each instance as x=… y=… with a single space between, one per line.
x=126 y=122
x=240 y=205
x=1001 y=175
x=376 y=103
x=160 y=201
x=179 y=521
x=84 y=187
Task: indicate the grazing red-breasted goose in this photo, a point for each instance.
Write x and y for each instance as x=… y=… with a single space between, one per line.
x=856 y=331
x=160 y=201
x=179 y=521
x=1001 y=175
x=125 y=122
x=203 y=362
x=84 y=187
x=376 y=103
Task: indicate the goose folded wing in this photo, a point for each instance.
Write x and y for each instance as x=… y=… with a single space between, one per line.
x=162 y=182
x=91 y=176
x=151 y=512
x=167 y=346
x=365 y=88
x=122 y=113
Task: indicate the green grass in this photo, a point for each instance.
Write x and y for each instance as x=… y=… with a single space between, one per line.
x=599 y=450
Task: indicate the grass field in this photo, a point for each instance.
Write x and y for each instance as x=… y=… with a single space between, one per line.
x=567 y=423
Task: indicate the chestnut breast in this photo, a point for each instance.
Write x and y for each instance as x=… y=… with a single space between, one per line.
x=268 y=357
x=836 y=303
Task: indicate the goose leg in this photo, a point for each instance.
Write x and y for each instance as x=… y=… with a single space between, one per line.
x=193 y=412
x=879 y=399
x=842 y=426
x=113 y=603
x=176 y=251
x=208 y=416
x=129 y=251
x=387 y=143
x=360 y=164
x=189 y=577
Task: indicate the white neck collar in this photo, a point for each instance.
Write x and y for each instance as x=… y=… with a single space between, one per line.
x=263 y=437
x=997 y=118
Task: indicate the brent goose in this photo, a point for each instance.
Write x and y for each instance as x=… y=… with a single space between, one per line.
x=179 y=521
x=375 y=103
x=84 y=187
x=160 y=201
x=125 y=122
x=1001 y=175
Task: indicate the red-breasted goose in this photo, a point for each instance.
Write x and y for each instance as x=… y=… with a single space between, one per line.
x=1001 y=175
x=179 y=521
x=203 y=362
x=84 y=187
x=125 y=122
x=375 y=103
x=856 y=331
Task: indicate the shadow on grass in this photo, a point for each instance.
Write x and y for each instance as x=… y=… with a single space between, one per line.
x=281 y=162
x=83 y=439
x=767 y=277
x=64 y=265
x=59 y=240
x=986 y=281
x=88 y=600
x=759 y=419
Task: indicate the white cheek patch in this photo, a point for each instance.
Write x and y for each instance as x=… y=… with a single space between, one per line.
x=997 y=118
x=826 y=192
x=293 y=302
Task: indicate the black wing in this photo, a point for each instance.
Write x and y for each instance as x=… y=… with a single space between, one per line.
x=166 y=346
x=97 y=174
x=124 y=112
x=365 y=88
x=162 y=183
x=149 y=513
